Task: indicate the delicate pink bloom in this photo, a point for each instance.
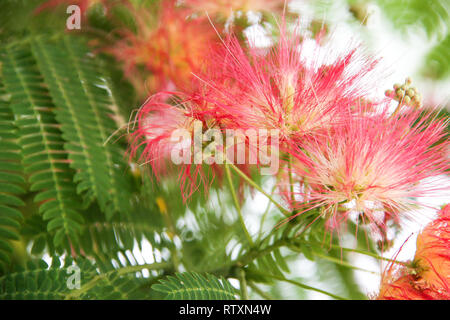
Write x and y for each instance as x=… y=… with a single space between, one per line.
x=163 y=131
x=157 y=122
x=428 y=276
x=170 y=50
x=374 y=165
x=83 y=4
x=276 y=88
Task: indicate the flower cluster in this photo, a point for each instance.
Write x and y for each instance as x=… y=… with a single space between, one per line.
x=217 y=99
x=347 y=153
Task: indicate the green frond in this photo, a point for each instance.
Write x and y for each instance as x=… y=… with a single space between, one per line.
x=121 y=280
x=100 y=238
x=113 y=287
x=39 y=281
x=11 y=181
x=86 y=121
x=34 y=230
x=44 y=159
x=106 y=238
x=205 y=247
x=194 y=286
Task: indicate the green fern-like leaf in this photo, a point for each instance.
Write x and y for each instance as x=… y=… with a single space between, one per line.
x=194 y=286
x=44 y=159
x=10 y=180
x=39 y=281
x=86 y=121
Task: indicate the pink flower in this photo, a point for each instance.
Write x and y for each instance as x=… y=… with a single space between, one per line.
x=373 y=165
x=157 y=122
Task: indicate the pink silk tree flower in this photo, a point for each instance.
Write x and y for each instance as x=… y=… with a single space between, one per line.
x=373 y=165
x=152 y=138
x=156 y=122
x=187 y=139
x=275 y=88
x=428 y=276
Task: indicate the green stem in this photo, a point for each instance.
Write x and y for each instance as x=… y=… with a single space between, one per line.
x=254 y=185
x=243 y=284
x=263 y=219
x=373 y=255
x=236 y=204
x=367 y=253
